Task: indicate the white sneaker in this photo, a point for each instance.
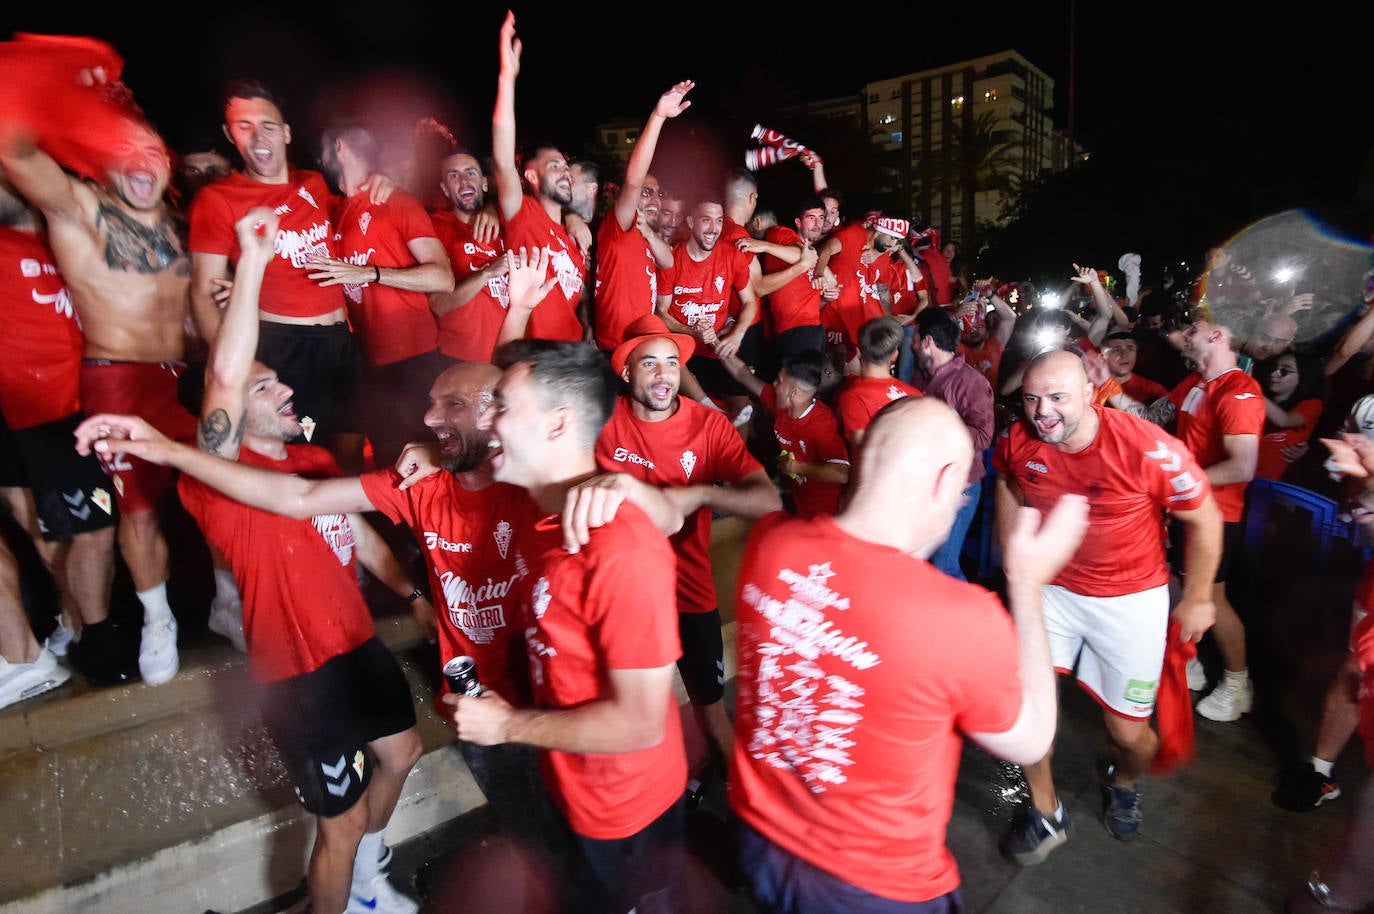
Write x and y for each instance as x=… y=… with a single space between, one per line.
x=745 y=414
x=21 y=681
x=60 y=639
x=157 y=652
x=1228 y=701
x=379 y=896
x=226 y=620
x=1197 y=676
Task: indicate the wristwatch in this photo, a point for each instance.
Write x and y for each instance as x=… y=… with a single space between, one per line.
x=415 y=594
x=1321 y=893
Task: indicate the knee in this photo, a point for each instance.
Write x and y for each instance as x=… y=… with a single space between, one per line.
x=401 y=752
x=344 y=831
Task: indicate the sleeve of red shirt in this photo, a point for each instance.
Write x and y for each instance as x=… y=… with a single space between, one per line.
x=1237 y=416
x=733 y=461
x=410 y=217
x=380 y=488
x=830 y=446
x=633 y=585
x=211 y=228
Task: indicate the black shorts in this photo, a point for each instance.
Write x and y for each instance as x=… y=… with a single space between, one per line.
x=787 y=344
x=389 y=403
x=1232 y=534
x=322 y=722
x=702 y=664
x=72 y=493
x=321 y=364
x=642 y=872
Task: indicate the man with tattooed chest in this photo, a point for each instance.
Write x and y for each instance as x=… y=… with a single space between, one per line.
x=121 y=249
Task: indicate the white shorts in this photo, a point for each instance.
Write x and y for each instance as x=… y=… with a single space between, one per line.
x=1114 y=645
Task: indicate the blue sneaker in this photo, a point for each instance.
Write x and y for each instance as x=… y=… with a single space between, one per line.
x=1033 y=835
x=1122 y=812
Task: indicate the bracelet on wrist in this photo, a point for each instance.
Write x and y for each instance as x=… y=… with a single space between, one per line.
x=415 y=594
x=376 y=274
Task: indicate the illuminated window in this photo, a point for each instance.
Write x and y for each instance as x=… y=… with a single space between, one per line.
x=957 y=103
x=990 y=95
x=887 y=119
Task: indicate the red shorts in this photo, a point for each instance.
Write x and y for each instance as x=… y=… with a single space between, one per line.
x=148 y=390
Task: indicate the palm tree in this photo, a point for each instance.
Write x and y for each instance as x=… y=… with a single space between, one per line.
x=979 y=157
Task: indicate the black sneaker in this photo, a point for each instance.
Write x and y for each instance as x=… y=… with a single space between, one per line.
x=1304 y=789
x=1121 y=814
x=106 y=654
x=1033 y=835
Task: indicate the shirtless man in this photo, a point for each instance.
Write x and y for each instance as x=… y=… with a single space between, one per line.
x=120 y=247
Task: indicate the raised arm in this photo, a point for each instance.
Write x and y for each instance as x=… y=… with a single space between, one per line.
x=670 y=104
x=505 y=172
x=41 y=181
x=224 y=405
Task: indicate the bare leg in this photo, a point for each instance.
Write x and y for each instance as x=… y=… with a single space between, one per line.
x=1040 y=779
x=1229 y=631
x=1136 y=745
x=144 y=549
x=17 y=643
x=395 y=755
x=330 y=874
x=86 y=574
x=715 y=724
x=1340 y=711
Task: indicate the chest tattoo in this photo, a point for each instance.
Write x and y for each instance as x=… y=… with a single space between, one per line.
x=132 y=247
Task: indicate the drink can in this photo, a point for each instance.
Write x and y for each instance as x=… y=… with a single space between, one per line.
x=461 y=675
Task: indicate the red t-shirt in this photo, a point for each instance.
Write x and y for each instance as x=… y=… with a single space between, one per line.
x=554 y=318
x=987 y=358
x=392 y=324
x=848 y=722
x=298 y=580
x=40 y=350
x=701 y=290
x=1229 y=404
x=304 y=206
x=694 y=446
x=609 y=607
x=858 y=300
x=859 y=398
x=1131 y=474
x=1271 y=464
x=467 y=537
x=626 y=280
x=470 y=332
x=904 y=287
x=730 y=232
x=797 y=304
x=932 y=262
x=814 y=437
x=1143 y=390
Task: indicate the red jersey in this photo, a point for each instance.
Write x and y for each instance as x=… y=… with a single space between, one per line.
x=694 y=446
x=813 y=437
x=848 y=744
x=797 y=304
x=986 y=358
x=701 y=290
x=858 y=399
x=1143 y=390
x=626 y=280
x=298 y=580
x=392 y=324
x=1229 y=404
x=938 y=279
x=40 y=350
x=304 y=206
x=609 y=607
x=554 y=318
x=1271 y=464
x=730 y=232
x=904 y=287
x=470 y=332
x=858 y=301
x=1131 y=474
x=467 y=537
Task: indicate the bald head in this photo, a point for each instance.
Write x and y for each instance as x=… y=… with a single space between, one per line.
x=1058 y=397
x=1273 y=335
x=457 y=400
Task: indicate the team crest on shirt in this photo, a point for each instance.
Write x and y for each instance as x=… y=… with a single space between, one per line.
x=308 y=427
x=358 y=763
x=502 y=535
x=720 y=283
x=101 y=499
x=305 y=195
x=689 y=463
x=364 y=222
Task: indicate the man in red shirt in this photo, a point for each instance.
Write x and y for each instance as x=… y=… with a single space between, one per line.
x=535 y=219
x=335 y=702
x=601 y=637
x=813 y=456
x=699 y=460
x=788 y=288
x=470 y=315
x=860 y=396
x=694 y=299
x=389 y=260
x=1220 y=412
x=849 y=728
x=1120 y=350
x=1108 y=608
x=628 y=249
x=858 y=255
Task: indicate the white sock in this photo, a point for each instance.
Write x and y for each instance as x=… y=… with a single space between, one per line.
x=1237 y=678
x=226 y=588
x=155 y=605
x=369 y=850
x=1324 y=768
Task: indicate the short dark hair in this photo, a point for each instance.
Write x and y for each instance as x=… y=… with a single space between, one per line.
x=940 y=327
x=535 y=150
x=806 y=367
x=879 y=338
x=567 y=374
x=1117 y=335
x=249 y=88
x=810 y=201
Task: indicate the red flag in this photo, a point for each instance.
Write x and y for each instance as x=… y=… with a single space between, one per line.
x=1174 y=705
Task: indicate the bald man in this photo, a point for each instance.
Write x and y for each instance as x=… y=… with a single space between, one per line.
x=1273 y=335
x=848 y=730
x=1107 y=611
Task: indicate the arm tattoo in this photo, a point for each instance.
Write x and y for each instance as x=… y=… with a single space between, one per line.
x=216 y=430
x=1161 y=412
